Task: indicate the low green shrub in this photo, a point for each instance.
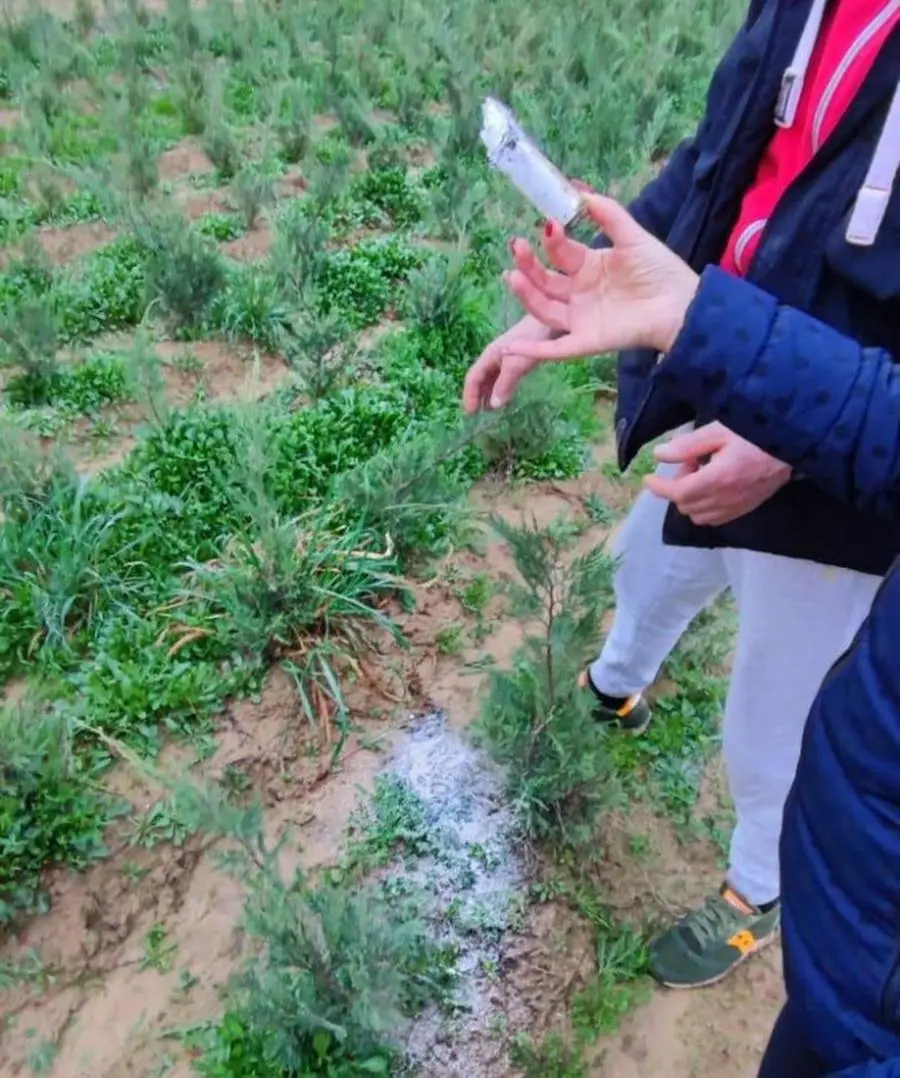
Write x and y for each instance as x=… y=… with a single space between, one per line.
x=51 y=813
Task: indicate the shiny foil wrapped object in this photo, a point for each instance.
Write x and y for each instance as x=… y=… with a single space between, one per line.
x=514 y=153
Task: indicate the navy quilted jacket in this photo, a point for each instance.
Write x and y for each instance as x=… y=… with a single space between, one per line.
x=803 y=259
x=831 y=408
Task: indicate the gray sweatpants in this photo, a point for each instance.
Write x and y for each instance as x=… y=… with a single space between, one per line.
x=795 y=619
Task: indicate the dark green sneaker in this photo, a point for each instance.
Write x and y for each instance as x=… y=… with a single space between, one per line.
x=709 y=943
x=632 y=718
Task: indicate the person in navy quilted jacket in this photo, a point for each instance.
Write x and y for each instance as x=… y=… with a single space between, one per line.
x=785 y=185
x=827 y=405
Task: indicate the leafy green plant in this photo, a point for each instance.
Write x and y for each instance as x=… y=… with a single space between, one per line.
x=619 y=984
x=159 y=950
x=394 y=821
x=106 y=292
x=50 y=811
x=221 y=227
x=391 y=192
x=99 y=379
x=536 y=719
x=361 y=282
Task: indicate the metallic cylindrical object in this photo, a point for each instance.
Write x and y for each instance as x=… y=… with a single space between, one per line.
x=514 y=153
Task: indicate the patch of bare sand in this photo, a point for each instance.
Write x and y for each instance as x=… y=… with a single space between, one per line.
x=63 y=244
x=226 y=372
x=253 y=246
x=196 y=204
x=717 y=1032
x=91 y=461
x=9 y=118
x=185 y=159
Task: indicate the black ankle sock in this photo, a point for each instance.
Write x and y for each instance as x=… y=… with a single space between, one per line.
x=614 y=703
x=766 y=907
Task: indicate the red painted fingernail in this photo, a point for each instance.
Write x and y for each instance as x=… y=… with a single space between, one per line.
x=548 y=230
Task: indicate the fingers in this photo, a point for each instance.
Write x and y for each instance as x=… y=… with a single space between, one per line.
x=553 y=313
x=615 y=221
x=663 y=486
x=566 y=254
x=688 y=490
x=512 y=370
x=698 y=494
x=480 y=380
x=696 y=443
x=569 y=346
x=527 y=262
x=583 y=187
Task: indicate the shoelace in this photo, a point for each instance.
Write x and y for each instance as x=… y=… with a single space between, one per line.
x=716 y=919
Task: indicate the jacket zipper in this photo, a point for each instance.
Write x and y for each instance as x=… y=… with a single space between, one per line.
x=840 y=73
x=744 y=240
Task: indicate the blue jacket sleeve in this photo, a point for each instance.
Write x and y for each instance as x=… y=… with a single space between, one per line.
x=798 y=389
x=890 y=1068
x=657 y=206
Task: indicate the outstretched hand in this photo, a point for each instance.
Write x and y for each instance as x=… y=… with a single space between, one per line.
x=722 y=476
x=633 y=294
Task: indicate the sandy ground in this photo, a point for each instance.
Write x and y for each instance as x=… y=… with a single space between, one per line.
x=109 y=1015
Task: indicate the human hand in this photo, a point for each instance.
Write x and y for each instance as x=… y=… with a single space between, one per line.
x=633 y=294
x=722 y=476
x=495 y=375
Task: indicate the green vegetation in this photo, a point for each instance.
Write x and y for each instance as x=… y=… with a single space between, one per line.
x=295 y=526
x=536 y=719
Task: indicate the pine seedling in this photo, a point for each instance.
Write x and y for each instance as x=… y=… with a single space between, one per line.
x=323 y=350
x=145 y=373
x=251 y=191
x=29 y=335
x=536 y=720
x=299 y=249
x=293 y=124
x=187 y=69
x=84 y=18
x=28 y=474
x=337 y=969
x=184 y=271
x=221 y=147
x=439 y=293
